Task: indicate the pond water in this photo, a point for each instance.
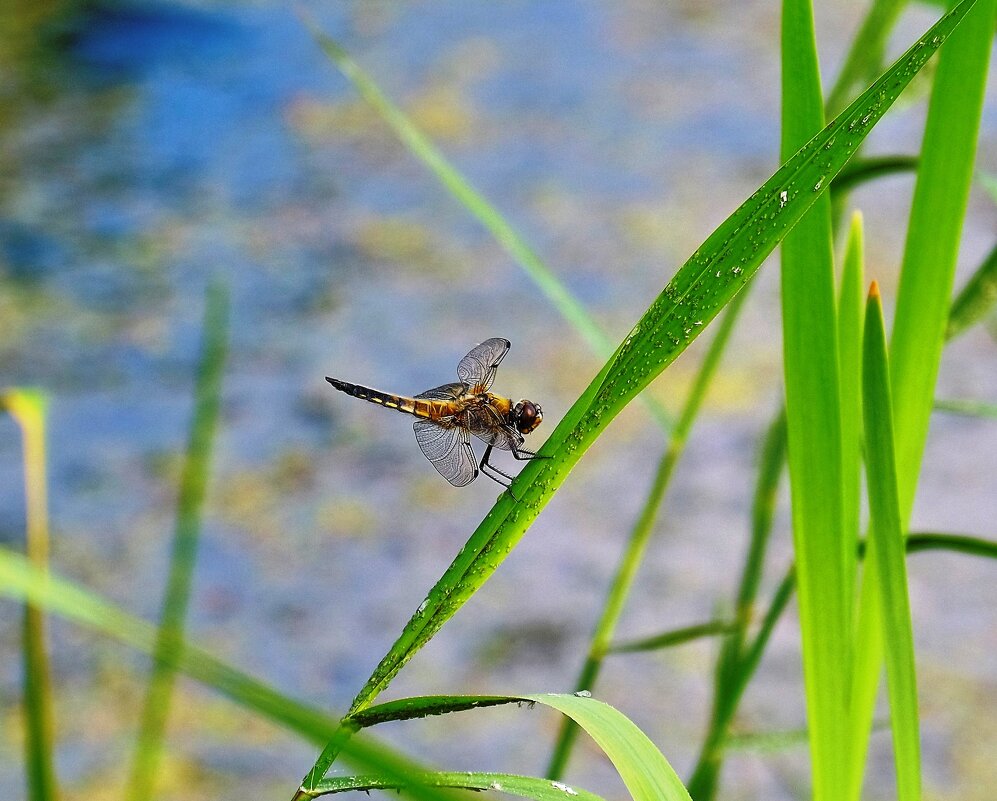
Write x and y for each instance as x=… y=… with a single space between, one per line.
x=147 y=149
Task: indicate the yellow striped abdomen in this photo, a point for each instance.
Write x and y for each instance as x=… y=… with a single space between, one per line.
x=431 y=409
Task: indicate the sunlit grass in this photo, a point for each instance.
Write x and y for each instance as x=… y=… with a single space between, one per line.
x=849 y=399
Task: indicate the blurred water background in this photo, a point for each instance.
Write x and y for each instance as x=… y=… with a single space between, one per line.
x=147 y=147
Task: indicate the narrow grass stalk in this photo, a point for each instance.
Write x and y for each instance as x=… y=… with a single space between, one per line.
x=669 y=639
x=976 y=299
x=937 y=212
x=731 y=673
x=471 y=199
x=871 y=168
x=640 y=535
x=813 y=414
x=193 y=486
x=886 y=552
x=960 y=543
x=967 y=408
x=865 y=55
x=28 y=408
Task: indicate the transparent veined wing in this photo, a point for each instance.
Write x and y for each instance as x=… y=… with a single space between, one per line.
x=444 y=392
x=449 y=449
x=477 y=369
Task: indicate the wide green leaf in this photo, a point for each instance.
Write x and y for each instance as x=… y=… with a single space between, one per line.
x=643 y=768
x=813 y=420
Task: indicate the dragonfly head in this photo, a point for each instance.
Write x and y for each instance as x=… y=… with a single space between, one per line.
x=527 y=416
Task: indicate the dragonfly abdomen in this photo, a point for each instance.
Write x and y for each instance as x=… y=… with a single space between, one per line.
x=415 y=406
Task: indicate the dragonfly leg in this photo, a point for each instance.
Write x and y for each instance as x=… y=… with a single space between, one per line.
x=524 y=455
x=491 y=470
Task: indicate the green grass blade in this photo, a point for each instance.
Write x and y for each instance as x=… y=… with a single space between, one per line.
x=523 y=786
x=967 y=408
x=862 y=170
x=630 y=560
x=28 y=408
x=989 y=184
x=976 y=299
x=21 y=580
x=940 y=199
x=850 y=318
x=729 y=672
x=813 y=417
x=465 y=194
x=959 y=543
x=427 y=705
x=887 y=552
x=670 y=639
x=702 y=287
x=193 y=486
x=644 y=770
x=937 y=213
x=734 y=672
x=771 y=462
x=865 y=55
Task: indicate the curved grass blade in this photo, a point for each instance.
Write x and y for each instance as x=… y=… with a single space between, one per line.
x=699 y=290
x=460 y=188
x=976 y=299
x=644 y=770
x=523 y=786
x=960 y=543
x=28 y=408
x=670 y=639
x=21 y=580
x=862 y=170
x=193 y=486
x=886 y=552
x=640 y=764
x=427 y=705
x=640 y=535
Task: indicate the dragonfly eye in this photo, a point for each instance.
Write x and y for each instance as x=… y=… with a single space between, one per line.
x=528 y=416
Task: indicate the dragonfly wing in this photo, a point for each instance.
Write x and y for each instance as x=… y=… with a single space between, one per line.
x=449 y=449
x=445 y=392
x=496 y=433
x=477 y=369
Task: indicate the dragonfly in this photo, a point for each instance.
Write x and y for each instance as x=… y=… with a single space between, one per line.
x=450 y=414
